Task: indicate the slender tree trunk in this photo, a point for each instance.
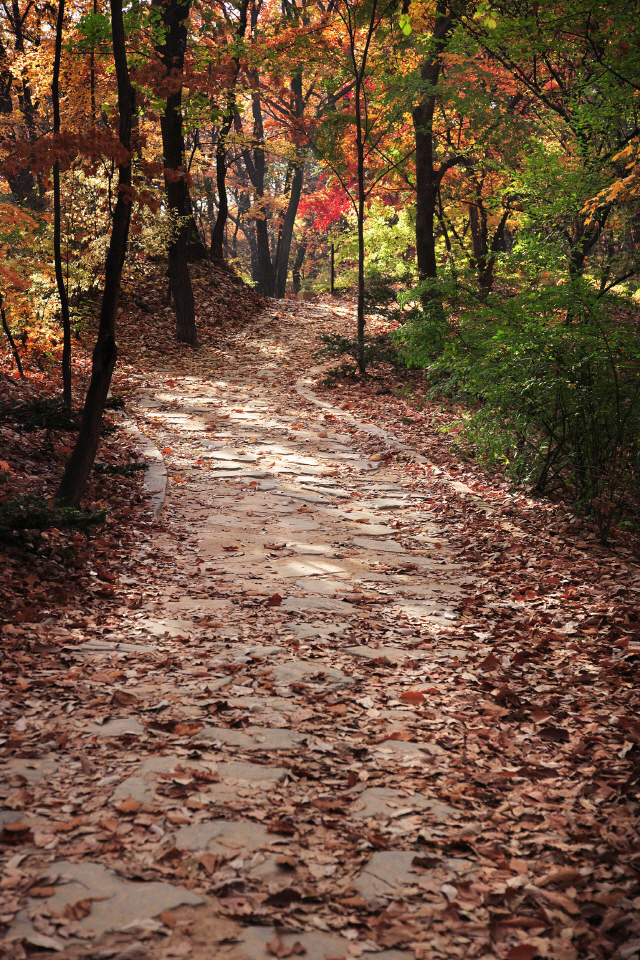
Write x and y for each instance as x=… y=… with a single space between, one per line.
x=286 y=234
x=428 y=177
x=217 y=234
x=360 y=217
x=427 y=185
x=92 y=73
x=12 y=344
x=174 y=17
x=74 y=481
x=297 y=267
x=26 y=188
x=57 y=217
x=267 y=273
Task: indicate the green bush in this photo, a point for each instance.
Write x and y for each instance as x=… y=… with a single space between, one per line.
x=552 y=379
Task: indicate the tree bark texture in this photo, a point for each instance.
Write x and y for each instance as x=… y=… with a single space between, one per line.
x=57 y=217
x=272 y=272
x=428 y=176
x=74 y=481
x=174 y=19
x=217 y=234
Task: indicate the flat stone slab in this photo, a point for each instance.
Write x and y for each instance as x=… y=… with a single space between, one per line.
x=252 y=738
x=228 y=455
x=118 y=727
x=389 y=803
x=389 y=871
x=406 y=748
x=317 y=631
x=321 y=586
x=32 y=770
x=108 y=647
x=384 y=546
x=374 y=529
x=318 y=604
x=167 y=628
x=300 y=671
x=316 y=946
x=423 y=610
x=125 y=901
x=296 y=524
x=199 y=603
x=141 y=786
x=305 y=497
x=387 y=503
x=393 y=654
x=308 y=568
x=223 y=836
x=312 y=549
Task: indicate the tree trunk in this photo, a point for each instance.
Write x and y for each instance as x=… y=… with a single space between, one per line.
x=428 y=177
x=174 y=18
x=26 y=188
x=427 y=185
x=12 y=343
x=57 y=218
x=74 y=481
x=217 y=234
x=360 y=217
x=286 y=234
x=297 y=266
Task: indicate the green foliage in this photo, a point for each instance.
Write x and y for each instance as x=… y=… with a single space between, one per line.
x=389 y=236
x=378 y=349
x=35 y=513
x=552 y=378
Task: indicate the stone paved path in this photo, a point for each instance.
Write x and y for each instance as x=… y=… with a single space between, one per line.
x=270 y=736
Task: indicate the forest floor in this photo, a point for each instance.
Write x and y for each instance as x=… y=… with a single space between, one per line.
x=345 y=696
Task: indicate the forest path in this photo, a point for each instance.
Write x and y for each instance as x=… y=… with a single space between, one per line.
x=289 y=740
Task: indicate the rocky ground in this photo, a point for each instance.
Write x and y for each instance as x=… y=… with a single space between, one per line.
x=336 y=700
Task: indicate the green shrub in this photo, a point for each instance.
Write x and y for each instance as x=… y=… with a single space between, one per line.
x=552 y=378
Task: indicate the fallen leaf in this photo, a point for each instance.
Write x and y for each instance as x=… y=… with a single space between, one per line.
x=554 y=734
x=283 y=898
x=524 y=951
x=412 y=696
x=128 y=806
x=78 y=910
x=489 y=663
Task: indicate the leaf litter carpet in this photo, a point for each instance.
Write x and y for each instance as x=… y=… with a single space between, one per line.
x=347 y=708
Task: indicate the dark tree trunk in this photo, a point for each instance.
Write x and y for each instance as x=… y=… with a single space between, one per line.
x=57 y=217
x=26 y=188
x=360 y=217
x=427 y=185
x=428 y=176
x=217 y=234
x=174 y=18
x=484 y=253
x=297 y=267
x=12 y=343
x=286 y=234
x=74 y=481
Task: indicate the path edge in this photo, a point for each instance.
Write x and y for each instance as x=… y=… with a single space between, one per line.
x=303 y=389
x=155 y=478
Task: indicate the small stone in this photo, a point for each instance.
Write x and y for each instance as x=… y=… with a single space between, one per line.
x=252 y=738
